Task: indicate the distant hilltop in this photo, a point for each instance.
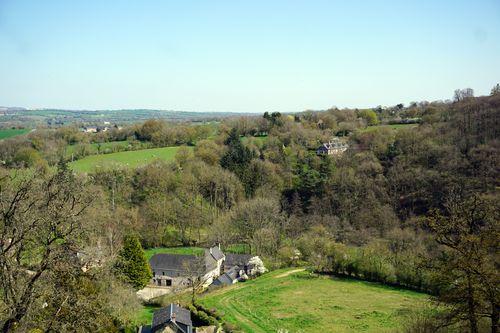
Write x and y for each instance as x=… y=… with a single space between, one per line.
x=15 y=116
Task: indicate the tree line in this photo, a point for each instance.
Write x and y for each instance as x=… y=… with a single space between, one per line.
x=415 y=207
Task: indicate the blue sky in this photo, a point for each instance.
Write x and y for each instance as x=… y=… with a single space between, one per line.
x=248 y=56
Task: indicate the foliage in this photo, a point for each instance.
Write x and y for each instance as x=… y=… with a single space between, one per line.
x=369 y=116
x=467 y=270
x=45 y=223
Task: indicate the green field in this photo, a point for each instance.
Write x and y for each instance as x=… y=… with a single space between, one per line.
x=10 y=132
x=173 y=250
x=298 y=301
x=130 y=159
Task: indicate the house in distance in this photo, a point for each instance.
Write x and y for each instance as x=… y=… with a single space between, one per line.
x=334 y=147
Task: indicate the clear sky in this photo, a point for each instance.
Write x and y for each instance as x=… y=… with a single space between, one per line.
x=253 y=55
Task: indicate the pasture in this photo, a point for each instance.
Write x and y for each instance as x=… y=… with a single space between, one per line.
x=297 y=301
x=130 y=159
x=6 y=133
x=173 y=250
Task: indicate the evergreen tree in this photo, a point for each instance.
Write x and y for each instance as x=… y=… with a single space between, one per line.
x=237 y=159
x=132 y=263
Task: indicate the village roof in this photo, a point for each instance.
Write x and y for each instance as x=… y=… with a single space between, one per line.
x=216 y=253
x=173 y=262
x=172 y=314
x=223 y=279
x=228 y=277
x=234 y=259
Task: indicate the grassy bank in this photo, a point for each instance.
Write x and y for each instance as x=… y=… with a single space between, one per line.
x=300 y=302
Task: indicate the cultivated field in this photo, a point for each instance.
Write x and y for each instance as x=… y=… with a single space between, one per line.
x=10 y=132
x=297 y=301
x=130 y=159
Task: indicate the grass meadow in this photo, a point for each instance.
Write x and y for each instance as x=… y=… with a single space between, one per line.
x=130 y=159
x=294 y=300
x=11 y=132
x=173 y=250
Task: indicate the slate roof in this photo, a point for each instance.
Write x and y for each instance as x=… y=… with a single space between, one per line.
x=233 y=259
x=216 y=253
x=172 y=262
x=172 y=314
x=228 y=277
x=223 y=279
x=179 y=264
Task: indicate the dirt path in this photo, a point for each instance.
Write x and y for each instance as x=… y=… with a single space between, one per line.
x=289 y=272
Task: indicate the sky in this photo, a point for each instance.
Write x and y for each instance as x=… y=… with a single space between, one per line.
x=244 y=56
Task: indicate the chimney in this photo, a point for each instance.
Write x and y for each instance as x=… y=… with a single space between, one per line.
x=218 y=244
x=173 y=317
x=210 y=250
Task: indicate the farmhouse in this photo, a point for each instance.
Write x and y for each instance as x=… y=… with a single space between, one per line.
x=333 y=147
x=171 y=319
x=175 y=270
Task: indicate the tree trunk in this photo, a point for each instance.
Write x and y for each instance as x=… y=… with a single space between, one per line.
x=494 y=318
x=8 y=325
x=471 y=306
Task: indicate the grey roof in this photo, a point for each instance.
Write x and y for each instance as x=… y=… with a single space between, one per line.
x=216 y=253
x=233 y=259
x=233 y=273
x=223 y=279
x=210 y=262
x=172 y=314
x=228 y=277
x=173 y=262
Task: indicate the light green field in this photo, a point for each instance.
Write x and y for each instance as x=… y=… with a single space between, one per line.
x=297 y=301
x=9 y=132
x=130 y=159
x=173 y=250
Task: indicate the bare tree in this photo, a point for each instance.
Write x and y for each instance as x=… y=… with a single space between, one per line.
x=40 y=223
x=195 y=271
x=461 y=94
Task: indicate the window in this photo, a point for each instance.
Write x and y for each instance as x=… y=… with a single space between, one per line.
x=169 y=283
x=162 y=273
